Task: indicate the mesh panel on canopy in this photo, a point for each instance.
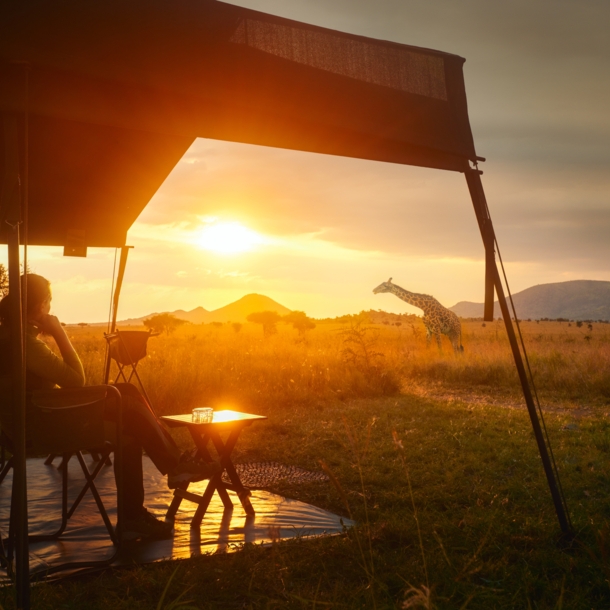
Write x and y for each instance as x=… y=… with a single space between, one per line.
x=373 y=62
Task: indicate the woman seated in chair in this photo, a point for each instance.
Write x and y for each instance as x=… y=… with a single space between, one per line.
x=141 y=428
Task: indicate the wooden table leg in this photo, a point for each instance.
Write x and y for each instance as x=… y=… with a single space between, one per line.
x=205 y=500
x=216 y=483
x=224 y=451
x=201 y=443
x=176 y=501
x=224 y=496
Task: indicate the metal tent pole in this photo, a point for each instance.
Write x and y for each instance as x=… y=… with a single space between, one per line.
x=22 y=566
x=115 y=303
x=11 y=216
x=477 y=194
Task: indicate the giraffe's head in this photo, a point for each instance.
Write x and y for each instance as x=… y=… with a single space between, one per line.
x=385 y=287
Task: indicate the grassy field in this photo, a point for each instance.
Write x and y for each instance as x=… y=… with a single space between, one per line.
x=431 y=453
x=571 y=365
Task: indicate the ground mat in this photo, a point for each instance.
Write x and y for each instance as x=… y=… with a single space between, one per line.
x=86 y=537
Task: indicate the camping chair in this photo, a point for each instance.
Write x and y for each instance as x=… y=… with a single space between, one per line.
x=127 y=348
x=64 y=422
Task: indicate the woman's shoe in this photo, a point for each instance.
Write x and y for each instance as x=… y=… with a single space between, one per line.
x=191 y=471
x=146 y=525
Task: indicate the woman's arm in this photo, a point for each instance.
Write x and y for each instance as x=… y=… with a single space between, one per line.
x=66 y=371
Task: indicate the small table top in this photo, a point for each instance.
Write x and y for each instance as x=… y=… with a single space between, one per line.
x=226 y=416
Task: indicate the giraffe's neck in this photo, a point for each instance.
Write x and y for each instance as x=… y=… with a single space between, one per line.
x=421 y=301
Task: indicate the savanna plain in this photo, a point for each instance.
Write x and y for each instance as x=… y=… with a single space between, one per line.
x=431 y=453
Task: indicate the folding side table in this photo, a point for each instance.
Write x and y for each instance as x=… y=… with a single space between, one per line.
x=225 y=423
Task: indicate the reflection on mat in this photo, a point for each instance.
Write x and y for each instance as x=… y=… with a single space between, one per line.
x=262 y=475
x=86 y=538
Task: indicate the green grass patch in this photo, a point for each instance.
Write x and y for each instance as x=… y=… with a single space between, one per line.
x=478 y=530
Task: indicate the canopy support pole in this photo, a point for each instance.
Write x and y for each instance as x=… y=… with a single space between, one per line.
x=11 y=191
x=115 y=303
x=477 y=194
x=20 y=494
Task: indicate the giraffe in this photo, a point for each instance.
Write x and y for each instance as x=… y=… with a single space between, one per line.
x=437 y=319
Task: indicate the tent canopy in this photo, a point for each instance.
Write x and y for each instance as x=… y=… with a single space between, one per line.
x=118 y=90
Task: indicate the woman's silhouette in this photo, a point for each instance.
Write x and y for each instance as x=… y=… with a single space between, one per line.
x=141 y=428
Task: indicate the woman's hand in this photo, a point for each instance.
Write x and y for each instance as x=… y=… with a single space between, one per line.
x=51 y=326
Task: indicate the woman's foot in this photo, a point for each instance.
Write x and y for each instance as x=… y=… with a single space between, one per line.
x=191 y=471
x=146 y=525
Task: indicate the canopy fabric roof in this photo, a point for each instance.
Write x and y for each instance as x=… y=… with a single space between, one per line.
x=133 y=82
x=88 y=183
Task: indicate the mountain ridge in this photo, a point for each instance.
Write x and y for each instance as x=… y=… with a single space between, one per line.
x=572 y=300
x=237 y=311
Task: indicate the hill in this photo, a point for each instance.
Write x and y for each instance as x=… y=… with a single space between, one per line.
x=195 y=316
x=234 y=312
x=239 y=310
x=573 y=300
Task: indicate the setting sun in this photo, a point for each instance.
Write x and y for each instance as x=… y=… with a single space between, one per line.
x=228 y=238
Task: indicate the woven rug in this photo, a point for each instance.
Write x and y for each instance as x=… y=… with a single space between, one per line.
x=263 y=475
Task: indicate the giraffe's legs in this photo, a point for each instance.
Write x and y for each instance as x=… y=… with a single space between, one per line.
x=433 y=331
x=438 y=341
x=455 y=342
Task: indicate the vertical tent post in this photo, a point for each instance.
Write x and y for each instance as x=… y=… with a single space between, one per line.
x=10 y=204
x=115 y=302
x=20 y=499
x=475 y=186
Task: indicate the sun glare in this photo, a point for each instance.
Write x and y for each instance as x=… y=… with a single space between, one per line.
x=228 y=238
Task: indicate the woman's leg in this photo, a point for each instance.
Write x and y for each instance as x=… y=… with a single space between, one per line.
x=133 y=480
x=141 y=429
x=140 y=423
x=144 y=430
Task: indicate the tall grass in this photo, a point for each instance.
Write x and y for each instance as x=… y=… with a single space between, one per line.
x=218 y=366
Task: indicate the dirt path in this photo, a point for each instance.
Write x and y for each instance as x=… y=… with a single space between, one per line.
x=504 y=399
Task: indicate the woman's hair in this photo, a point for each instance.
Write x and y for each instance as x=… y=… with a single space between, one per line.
x=38 y=291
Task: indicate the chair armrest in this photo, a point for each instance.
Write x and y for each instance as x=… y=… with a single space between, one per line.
x=70 y=419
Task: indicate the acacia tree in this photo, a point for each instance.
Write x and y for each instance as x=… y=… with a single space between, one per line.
x=299 y=321
x=268 y=320
x=163 y=322
x=3 y=281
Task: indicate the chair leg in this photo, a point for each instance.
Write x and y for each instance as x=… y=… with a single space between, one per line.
x=96 y=495
x=63 y=459
x=120 y=374
x=49 y=459
x=3 y=558
x=96 y=457
x=84 y=490
x=11 y=535
x=63 y=467
x=67 y=513
x=135 y=372
x=7 y=467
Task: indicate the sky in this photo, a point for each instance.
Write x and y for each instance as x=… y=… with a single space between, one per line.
x=317 y=233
